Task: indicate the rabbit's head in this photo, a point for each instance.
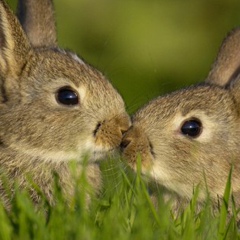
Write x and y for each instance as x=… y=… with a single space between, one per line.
x=192 y=135
x=53 y=105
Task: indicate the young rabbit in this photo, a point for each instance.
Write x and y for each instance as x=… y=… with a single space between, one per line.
x=54 y=107
x=192 y=136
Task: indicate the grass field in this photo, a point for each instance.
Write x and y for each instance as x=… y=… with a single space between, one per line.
x=146 y=48
x=123 y=211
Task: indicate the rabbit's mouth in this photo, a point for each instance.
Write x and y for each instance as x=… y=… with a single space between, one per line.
x=136 y=146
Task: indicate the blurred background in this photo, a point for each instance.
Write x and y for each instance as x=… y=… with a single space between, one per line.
x=146 y=47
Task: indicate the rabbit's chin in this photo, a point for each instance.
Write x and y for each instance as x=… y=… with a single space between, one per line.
x=89 y=153
x=101 y=155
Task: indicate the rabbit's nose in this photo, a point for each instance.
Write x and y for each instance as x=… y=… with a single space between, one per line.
x=123 y=131
x=125 y=142
x=125 y=125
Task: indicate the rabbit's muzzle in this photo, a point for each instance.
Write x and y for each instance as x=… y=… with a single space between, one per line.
x=109 y=133
x=135 y=145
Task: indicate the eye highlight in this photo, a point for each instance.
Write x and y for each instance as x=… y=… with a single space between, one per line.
x=192 y=128
x=67 y=96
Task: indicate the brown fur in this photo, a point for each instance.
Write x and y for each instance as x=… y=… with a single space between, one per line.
x=179 y=162
x=34 y=17
x=39 y=135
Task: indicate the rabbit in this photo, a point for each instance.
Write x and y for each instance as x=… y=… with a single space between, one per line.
x=191 y=137
x=54 y=109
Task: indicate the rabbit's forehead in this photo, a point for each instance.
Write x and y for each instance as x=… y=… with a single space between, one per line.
x=77 y=58
x=54 y=70
x=66 y=66
x=188 y=103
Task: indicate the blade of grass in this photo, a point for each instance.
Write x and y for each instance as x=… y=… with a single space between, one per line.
x=224 y=207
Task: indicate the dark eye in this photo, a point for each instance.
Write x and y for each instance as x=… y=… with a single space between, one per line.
x=192 y=128
x=67 y=96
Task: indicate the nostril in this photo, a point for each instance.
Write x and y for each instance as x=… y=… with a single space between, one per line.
x=124 y=143
x=123 y=131
x=97 y=128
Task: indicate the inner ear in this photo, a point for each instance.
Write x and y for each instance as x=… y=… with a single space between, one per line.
x=234 y=77
x=14 y=51
x=234 y=87
x=14 y=46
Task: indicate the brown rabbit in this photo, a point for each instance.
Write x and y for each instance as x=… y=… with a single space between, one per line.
x=54 y=107
x=193 y=135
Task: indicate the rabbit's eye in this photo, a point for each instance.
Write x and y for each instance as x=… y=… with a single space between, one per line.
x=192 y=128
x=67 y=96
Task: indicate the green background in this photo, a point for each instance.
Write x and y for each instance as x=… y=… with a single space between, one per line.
x=146 y=47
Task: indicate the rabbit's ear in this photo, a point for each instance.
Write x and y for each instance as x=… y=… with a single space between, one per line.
x=14 y=47
x=38 y=21
x=227 y=65
x=234 y=87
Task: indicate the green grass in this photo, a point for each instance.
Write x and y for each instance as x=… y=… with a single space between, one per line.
x=123 y=211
